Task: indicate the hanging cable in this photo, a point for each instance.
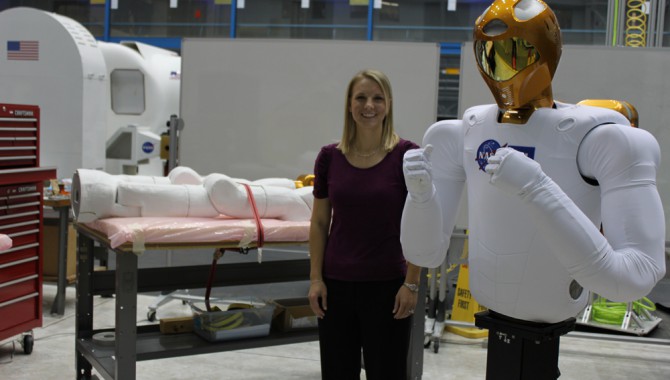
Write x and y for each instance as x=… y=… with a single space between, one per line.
x=218 y=253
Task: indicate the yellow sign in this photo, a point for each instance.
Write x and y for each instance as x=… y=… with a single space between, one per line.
x=359 y=2
x=465 y=307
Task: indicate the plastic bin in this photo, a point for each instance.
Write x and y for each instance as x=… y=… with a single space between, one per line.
x=234 y=324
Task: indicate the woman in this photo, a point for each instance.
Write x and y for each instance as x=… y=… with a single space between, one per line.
x=362 y=289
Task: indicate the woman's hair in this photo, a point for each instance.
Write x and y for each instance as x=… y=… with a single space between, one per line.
x=389 y=137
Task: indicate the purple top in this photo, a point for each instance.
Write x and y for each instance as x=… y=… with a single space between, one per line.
x=364 y=239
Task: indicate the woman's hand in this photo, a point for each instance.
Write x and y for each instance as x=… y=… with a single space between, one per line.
x=318 y=298
x=405 y=302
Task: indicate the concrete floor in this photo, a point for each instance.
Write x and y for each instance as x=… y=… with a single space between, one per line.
x=457 y=358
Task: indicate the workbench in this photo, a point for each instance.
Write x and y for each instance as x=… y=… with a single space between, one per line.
x=134 y=343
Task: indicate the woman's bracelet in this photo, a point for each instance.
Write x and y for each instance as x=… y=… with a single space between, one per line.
x=315 y=281
x=414 y=288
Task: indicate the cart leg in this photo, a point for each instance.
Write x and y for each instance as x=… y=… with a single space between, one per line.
x=430 y=307
x=84 y=302
x=440 y=315
x=126 y=312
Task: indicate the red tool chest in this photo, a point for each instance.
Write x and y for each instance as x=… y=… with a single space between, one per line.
x=21 y=197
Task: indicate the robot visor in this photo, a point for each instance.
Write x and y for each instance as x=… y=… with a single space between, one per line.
x=501 y=60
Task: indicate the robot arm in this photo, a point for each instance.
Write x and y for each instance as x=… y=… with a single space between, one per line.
x=229 y=197
x=427 y=221
x=627 y=264
x=184 y=193
x=624 y=160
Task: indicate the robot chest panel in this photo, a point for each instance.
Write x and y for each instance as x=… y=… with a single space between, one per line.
x=504 y=221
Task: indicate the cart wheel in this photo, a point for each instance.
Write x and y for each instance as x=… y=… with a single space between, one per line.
x=436 y=346
x=28 y=342
x=151 y=315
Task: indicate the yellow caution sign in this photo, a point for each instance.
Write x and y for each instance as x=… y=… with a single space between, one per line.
x=465 y=307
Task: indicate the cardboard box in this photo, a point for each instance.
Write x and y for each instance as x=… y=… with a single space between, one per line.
x=176 y=325
x=50 y=252
x=293 y=314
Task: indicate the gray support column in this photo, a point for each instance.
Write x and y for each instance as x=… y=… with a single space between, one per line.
x=415 y=357
x=84 y=302
x=651 y=22
x=126 y=311
x=609 y=32
x=58 y=307
x=660 y=23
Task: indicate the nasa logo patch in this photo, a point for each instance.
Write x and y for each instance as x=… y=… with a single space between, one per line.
x=489 y=147
x=147 y=147
x=486 y=149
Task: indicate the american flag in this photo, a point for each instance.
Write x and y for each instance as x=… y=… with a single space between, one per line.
x=23 y=50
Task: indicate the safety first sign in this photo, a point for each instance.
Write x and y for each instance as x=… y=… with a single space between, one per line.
x=465 y=307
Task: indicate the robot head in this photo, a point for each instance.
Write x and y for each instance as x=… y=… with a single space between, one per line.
x=517 y=45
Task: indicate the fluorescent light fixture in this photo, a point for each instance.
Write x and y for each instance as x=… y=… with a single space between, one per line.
x=304 y=3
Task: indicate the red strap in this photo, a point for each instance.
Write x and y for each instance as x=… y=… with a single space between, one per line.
x=219 y=252
x=257 y=219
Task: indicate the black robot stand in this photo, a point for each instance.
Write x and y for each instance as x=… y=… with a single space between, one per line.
x=522 y=350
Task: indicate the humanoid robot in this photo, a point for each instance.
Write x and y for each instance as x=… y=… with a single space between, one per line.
x=96 y=195
x=542 y=177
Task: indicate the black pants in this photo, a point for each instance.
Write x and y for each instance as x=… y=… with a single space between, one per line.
x=360 y=316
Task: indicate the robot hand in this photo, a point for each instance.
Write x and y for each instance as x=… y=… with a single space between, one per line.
x=418 y=174
x=514 y=172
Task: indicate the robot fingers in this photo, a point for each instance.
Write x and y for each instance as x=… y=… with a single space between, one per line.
x=494 y=162
x=513 y=171
x=419 y=155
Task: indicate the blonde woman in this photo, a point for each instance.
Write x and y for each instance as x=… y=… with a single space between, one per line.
x=362 y=289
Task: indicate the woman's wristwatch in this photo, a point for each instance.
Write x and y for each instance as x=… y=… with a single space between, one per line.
x=414 y=288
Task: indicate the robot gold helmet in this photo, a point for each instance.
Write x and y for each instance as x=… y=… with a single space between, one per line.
x=517 y=46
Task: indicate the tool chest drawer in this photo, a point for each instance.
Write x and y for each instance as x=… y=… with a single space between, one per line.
x=20 y=312
x=19 y=136
x=18 y=270
x=19 y=253
x=19 y=198
x=17 y=288
x=22 y=233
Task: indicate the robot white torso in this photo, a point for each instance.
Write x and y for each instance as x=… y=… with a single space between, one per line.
x=521 y=263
